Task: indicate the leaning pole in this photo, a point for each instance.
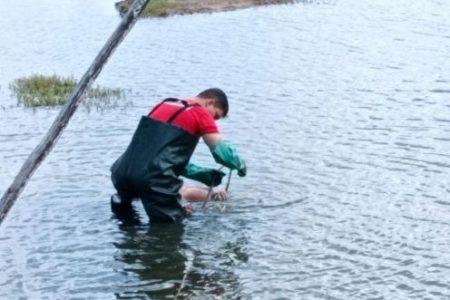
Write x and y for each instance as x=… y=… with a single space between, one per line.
x=41 y=151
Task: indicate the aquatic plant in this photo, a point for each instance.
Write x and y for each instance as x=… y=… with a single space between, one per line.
x=235 y=252
x=41 y=90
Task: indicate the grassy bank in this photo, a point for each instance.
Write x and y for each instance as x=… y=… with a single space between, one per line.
x=40 y=90
x=161 y=8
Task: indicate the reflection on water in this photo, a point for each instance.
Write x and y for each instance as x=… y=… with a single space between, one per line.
x=160 y=264
x=155 y=254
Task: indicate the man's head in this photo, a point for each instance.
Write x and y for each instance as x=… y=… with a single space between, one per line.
x=216 y=102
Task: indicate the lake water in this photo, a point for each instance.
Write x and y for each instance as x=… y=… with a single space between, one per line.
x=341 y=109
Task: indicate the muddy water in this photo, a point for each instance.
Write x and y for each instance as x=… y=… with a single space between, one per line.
x=341 y=109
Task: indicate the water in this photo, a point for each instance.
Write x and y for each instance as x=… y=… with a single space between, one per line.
x=341 y=109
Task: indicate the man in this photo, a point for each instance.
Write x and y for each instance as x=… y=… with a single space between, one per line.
x=161 y=148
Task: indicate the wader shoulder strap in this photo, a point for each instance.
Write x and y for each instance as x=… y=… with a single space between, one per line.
x=185 y=106
x=161 y=103
x=172 y=118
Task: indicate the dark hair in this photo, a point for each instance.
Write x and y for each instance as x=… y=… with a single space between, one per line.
x=219 y=96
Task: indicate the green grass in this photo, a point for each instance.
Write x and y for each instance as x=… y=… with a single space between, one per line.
x=40 y=90
x=156 y=8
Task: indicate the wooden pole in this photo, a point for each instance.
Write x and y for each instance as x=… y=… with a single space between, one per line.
x=39 y=153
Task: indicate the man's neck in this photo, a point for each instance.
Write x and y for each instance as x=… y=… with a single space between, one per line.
x=200 y=101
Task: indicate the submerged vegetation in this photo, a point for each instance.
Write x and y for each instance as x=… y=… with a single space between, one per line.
x=40 y=90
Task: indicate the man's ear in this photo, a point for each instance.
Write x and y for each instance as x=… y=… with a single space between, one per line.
x=210 y=102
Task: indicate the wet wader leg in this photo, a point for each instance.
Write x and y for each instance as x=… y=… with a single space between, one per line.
x=123 y=210
x=121 y=202
x=163 y=208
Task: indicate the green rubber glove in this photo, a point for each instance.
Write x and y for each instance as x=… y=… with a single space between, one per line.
x=226 y=154
x=208 y=176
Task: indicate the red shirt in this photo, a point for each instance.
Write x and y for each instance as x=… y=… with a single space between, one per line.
x=195 y=119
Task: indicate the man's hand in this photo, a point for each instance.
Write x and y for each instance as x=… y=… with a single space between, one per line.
x=226 y=155
x=216 y=177
x=207 y=176
x=220 y=195
x=242 y=171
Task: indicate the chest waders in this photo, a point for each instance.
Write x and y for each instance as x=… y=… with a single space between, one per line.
x=150 y=166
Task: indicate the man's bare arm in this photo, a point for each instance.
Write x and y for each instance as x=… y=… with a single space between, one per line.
x=212 y=139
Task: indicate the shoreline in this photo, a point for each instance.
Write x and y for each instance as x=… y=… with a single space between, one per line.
x=165 y=8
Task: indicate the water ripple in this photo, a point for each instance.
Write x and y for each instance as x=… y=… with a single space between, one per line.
x=338 y=107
